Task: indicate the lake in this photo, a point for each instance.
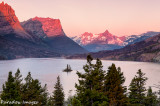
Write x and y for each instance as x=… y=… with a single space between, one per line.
x=47 y=70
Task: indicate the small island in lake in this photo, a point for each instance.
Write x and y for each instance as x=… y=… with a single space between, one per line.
x=68 y=69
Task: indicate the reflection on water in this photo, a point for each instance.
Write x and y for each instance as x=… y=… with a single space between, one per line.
x=47 y=70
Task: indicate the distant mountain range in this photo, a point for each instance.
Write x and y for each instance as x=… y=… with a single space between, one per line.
x=137 y=38
x=147 y=50
x=97 y=42
x=37 y=37
x=107 y=41
x=44 y=37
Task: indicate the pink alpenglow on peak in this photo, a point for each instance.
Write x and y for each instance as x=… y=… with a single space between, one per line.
x=51 y=27
x=106 y=33
x=102 y=38
x=8 y=14
x=9 y=22
x=108 y=38
x=87 y=38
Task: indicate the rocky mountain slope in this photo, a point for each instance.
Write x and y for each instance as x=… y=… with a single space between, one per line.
x=14 y=41
x=12 y=47
x=9 y=23
x=147 y=51
x=107 y=41
x=102 y=38
x=43 y=37
x=137 y=38
x=51 y=32
x=98 y=42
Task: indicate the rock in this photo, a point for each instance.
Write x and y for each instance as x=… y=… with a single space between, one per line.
x=97 y=42
x=50 y=31
x=146 y=51
x=9 y=23
x=51 y=27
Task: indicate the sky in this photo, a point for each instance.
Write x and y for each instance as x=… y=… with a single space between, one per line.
x=119 y=17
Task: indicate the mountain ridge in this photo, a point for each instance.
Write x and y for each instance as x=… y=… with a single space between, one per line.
x=10 y=23
x=101 y=38
x=146 y=51
x=50 y=31
x=17 y=42
x=108 y=41
x=97 y=42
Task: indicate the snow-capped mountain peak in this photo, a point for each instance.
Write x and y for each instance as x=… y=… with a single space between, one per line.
x=101 y=38
x=107 y=41
x=137 y=38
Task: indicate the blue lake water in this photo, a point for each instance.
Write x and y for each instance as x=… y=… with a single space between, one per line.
x=47 y=70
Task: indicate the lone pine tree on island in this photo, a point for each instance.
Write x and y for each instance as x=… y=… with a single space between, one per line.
x=96 y=87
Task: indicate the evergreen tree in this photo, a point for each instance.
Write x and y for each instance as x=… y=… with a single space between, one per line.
x=10 y=92
x=75 y=102
x=18 y=82
x=58 y=94
x=137 y=89
x=44 y=95
x=90 y=88
x=151 y=98
x=50 y=102
x=158 y=93
x=32 y=91
x=68 y=102
x=114 y=89
x=14 y=90
x=18 y=78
